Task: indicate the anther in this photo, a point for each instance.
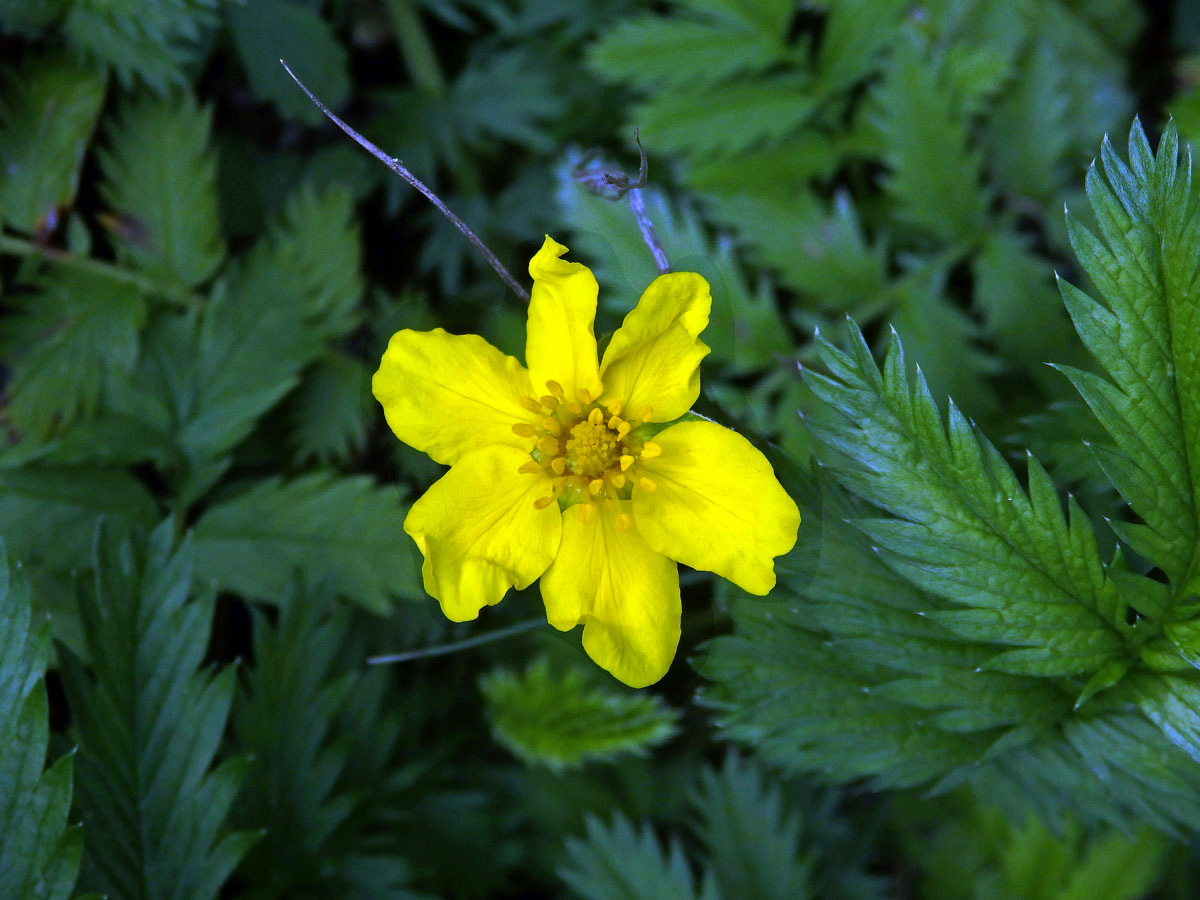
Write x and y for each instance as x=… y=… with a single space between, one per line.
x=530 y=404
x=645 y=413
x=548 y=445
x=543 y=502
x=585 y=396
x=587 y=512
x=647 y=485
x=622 y=430
x=615 y=421
x=552 y=425
x=618 y=480
x=559 y=465
x=524 y=429
x=551 y=403
x=595 y=417
x=595 y=486
x=555 y=388
x=624 y=521
x=530 y=468
x=614 y=407
x=651 y=450
x=626 y=462
x=574 y=408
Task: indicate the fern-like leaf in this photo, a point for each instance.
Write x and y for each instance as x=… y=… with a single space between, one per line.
x=160 y=183
x=560 y=721
x=47 y=114
x=347 y=529
x=39 y=854
x=149 y=725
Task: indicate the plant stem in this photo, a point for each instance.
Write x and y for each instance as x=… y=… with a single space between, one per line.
x=172 y=294
x=399 y=168
x=455 y=646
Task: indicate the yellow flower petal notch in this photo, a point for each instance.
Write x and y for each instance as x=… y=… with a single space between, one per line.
x=563 y=470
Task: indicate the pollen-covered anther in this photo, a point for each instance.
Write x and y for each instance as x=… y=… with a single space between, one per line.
x=548 y=445
x=618 y=480
x=530 y=404
x=552 y=425
x=555 y=388
x=549 y=402
x=558 y=465
x=595 y=417
x=626 y=462
x=531 y=468
x=614 y=407
x=524 y=429
x=648 y=485
x=574 y=408
x=585 y=396
x=595 y=486
x=543 y=502
x=650 y=450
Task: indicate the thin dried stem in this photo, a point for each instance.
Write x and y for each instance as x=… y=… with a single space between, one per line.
x=398 y=167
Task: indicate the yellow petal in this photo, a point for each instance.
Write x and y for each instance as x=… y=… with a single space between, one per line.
x=480 y=532
x=625 y=594
x=654 y=357
x=449 y=395
x=717 y=505
x=560 y=344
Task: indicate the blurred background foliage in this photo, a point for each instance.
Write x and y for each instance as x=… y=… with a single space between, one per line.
x=201 y=504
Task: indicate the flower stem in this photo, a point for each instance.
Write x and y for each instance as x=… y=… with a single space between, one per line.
x=399 y=168
x=647 y=228
x=20 y=247
x=455 y=646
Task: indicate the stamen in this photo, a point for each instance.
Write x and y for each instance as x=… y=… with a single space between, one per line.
x=614 y=421
x=555 y=388
x=651 y=450
x=626 y=462
x=622 y=430
x=587 y=512
x=614 y=407
x=524 y=429
x=574 y=408
x=530 y=404
x=595 y=486
x=548 y=445
x=624 y=521
x=530 y=468
x=552 y=425
x=551 y=403
x=647 y=485
x=543 y=502
x=595 y=417
x=558 y=464
x=585 y=396
x=618 y=480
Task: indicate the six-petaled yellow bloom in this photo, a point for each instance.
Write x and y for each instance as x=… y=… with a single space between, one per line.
x=559 y=471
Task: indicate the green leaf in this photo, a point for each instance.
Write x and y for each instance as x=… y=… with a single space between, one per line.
x=29 y=17
x=160 y=184
x=72 y=330
x=331 y=410
x=1146 y=335
x=149 y=725
x=47 y=114
x=856 y=31
x=39 y=856
x=265 y=31
x=1016 y=572
x=934 y=176
x=753 y=839
x=615 y=862
x=347 y=529
x=153 y=41
x=561 y=721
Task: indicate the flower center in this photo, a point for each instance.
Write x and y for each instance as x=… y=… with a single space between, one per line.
x=588 y=450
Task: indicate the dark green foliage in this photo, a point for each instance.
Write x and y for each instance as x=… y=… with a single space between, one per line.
x=149 y=723
x=559 y=720
x=319 y=833
x=974 y=600
x=39 y=855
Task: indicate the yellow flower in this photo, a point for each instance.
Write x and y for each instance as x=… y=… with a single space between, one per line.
x=556 y=471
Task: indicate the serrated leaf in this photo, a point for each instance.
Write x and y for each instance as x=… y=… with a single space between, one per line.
x=39 y=856
x=347 y=529
x=266 y=31
x=855 y=33
x=160 y=185
x=149 y=726
x=73 y=329
x=47 y=114
x=149 y=40
x=934 y=177
x=29 y=17
x=1145 y=334
x=752 y=838
x=330 y=411
x=560 y=721
x=617 y=862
